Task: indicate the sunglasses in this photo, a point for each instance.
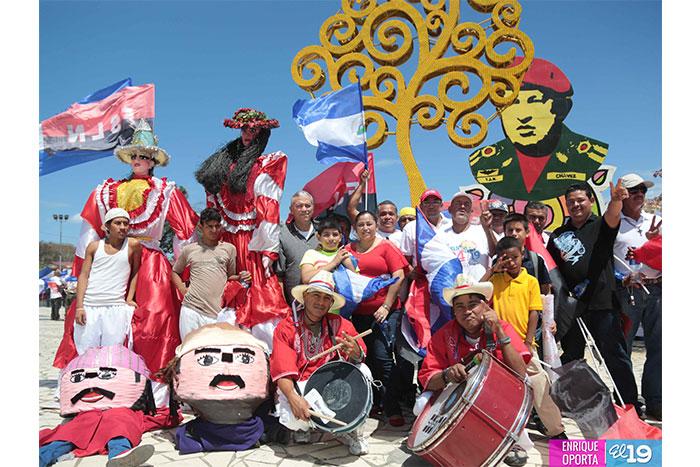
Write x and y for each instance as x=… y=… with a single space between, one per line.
x=637 y=189
x=142 y=157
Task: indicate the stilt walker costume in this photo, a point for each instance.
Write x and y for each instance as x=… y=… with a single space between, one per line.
x=150 y=201
x=245 y=186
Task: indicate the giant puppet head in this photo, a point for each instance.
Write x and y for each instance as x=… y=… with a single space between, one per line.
x=104 y=378
x=222 y=372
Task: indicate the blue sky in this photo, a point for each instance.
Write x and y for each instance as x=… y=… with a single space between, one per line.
x=209 y=58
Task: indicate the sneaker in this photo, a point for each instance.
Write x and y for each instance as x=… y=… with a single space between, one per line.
x=302 y=437
x=132 y=457
x=561 y=435
x=357 y=445
x=516 y=457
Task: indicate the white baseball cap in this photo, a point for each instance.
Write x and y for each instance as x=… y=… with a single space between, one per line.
x=633 y=180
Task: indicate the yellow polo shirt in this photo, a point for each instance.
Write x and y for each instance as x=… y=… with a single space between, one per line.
x=514 y=298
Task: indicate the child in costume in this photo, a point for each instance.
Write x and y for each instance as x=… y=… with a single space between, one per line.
x=223 y=373
x=108 y=393
x=149 y=201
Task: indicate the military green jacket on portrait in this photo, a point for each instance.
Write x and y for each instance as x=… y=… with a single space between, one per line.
x=575 y=159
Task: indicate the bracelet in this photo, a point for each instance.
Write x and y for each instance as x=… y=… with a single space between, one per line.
x=385 y=306
x=504 y=341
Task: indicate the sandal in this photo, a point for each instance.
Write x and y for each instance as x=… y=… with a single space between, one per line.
x=516 y=457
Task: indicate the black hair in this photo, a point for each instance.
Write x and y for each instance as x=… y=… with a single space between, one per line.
x=329 y=222
x=561 y=101
x=390 y=203
x=209 y=214
x=216 y=169
x=506 y=243
x=362 y=213
x=534 y=205
x=146 y=403
x=516 y=217
x=579 y=187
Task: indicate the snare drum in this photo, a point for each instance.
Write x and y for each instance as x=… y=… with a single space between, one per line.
x=475 y=422
x=345 y=390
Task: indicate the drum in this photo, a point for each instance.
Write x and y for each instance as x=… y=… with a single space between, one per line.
x=345 y=390
x=475 y=422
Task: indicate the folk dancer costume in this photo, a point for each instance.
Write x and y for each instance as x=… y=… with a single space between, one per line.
x=245 y=186
x=150 y=201
x=107 y=391
x=223 y=373
x=294 y=344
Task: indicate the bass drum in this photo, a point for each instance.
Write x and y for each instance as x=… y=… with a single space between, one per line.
x=475 y=422
x=345 y=390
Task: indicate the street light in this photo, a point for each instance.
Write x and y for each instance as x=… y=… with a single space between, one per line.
x=60 y=218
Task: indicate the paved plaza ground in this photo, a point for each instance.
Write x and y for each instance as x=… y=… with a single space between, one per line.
x=387 y=444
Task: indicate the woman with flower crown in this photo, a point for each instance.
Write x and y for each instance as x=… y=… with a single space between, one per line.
x=245 y=186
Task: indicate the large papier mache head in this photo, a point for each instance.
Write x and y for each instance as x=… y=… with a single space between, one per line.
x=222 y=373
x=104 y=378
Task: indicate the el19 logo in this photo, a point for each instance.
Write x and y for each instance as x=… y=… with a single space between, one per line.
x=639 y=452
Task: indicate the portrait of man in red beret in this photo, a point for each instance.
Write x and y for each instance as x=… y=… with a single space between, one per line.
x=540 y=156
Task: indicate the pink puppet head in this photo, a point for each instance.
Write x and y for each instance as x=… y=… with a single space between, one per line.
x=223 y=373
x=105 y=378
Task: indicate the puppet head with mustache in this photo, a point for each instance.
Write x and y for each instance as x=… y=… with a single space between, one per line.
x=222 y=372
x=105 y=378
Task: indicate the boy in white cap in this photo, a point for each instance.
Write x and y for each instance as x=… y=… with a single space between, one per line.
x=106 y=286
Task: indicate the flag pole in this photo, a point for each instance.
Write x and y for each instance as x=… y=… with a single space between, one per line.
x=366 y=185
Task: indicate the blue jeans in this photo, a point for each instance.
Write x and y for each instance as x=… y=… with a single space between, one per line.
x=380 y=357
x=647 y=312
x=49 y=453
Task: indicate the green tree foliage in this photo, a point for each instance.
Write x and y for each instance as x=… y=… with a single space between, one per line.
x=50 y=252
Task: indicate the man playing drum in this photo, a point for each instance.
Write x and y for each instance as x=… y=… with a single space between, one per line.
x=474 y=324
x=308 y=332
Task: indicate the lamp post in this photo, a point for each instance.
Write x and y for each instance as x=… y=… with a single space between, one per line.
x=60 y=218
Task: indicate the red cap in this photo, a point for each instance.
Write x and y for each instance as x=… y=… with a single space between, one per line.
x=545 y=74
x=430 y=192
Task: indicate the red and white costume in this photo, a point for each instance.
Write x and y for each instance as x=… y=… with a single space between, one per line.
x=150 y=201
x=250 y=222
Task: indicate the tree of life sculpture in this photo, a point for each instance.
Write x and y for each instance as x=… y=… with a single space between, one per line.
x=370 y=40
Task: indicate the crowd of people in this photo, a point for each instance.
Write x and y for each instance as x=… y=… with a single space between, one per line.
x=237 y=263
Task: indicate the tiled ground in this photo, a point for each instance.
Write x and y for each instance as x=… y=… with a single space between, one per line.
x=387 y=444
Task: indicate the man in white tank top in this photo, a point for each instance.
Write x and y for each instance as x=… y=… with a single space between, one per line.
x=106 y=286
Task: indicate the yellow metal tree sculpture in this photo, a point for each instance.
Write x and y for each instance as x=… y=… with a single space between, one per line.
x=375 y=41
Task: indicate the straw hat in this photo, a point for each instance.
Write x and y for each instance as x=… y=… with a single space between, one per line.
x=322 y=282
x=467 y=285
x=142 y=140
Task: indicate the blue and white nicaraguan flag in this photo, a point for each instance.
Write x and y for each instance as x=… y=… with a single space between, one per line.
x=335 y=124
x=356 y=287
x=440 y=264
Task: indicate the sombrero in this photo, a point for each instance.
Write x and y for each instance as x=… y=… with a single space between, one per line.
x=250 y=118
x=322 y=282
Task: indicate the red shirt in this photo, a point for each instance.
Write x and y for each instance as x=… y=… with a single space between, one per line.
x=293 y=345
x=384 y=259
x=449 y=345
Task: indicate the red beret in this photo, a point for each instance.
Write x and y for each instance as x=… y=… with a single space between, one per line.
x=545 y=74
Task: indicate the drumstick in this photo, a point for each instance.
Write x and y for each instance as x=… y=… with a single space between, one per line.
x=326 y=417
x=337 y=346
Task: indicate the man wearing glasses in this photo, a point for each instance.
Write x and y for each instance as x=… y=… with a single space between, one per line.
x=636 y=227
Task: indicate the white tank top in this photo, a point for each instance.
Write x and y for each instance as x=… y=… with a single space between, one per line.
x=109 y=277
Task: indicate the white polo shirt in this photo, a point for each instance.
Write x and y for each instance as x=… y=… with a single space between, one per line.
x=632 y=234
